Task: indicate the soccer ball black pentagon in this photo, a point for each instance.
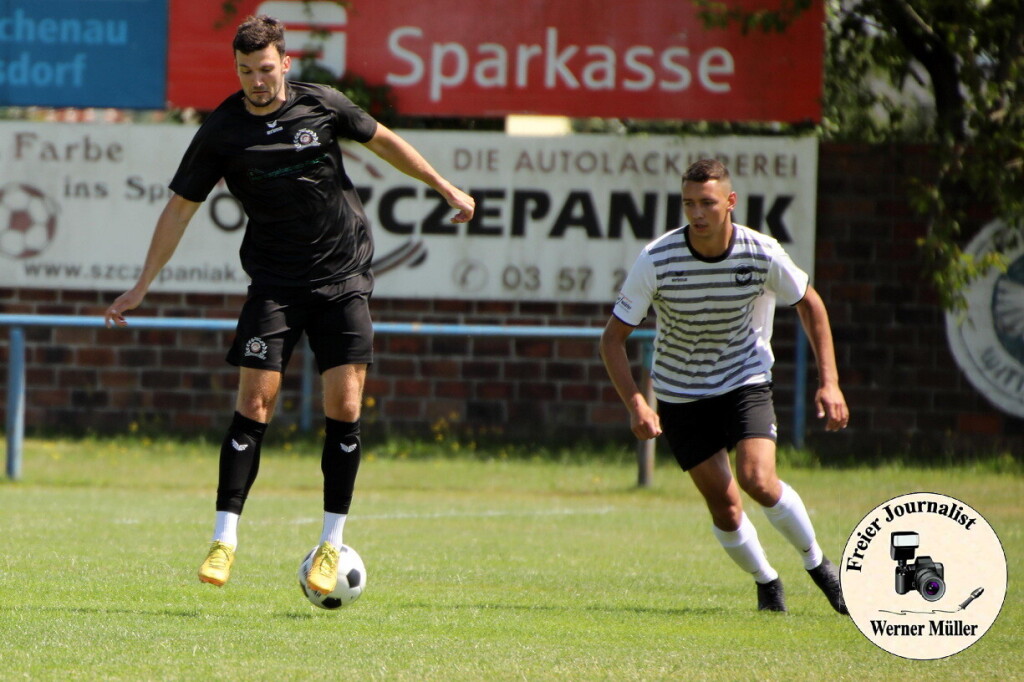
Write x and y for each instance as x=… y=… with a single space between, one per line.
x=351 y=580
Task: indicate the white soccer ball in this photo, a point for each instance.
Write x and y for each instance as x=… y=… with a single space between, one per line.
x=351 y=580
x=28 y=220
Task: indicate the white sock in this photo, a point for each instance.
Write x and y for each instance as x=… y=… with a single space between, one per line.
x=225 y=529
x=789 y=516
x=334 y=526
x=743 y=547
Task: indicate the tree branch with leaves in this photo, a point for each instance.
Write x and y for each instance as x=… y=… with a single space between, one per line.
x=968 y=56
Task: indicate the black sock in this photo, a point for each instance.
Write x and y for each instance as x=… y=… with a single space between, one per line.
x=239 y=462
x=340 y=463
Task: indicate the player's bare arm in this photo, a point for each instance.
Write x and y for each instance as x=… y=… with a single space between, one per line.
x=829 y=398
x=170 y=226
x=389 y=146
x=643 y=420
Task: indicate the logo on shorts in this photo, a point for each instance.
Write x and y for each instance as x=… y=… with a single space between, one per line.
x=305 y=138
x=256 y=348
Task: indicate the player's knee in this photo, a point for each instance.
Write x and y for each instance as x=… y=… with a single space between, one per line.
x=256 y=407
x=726 y=514
x=728 y=520
x=343 y=411
x=759 y=485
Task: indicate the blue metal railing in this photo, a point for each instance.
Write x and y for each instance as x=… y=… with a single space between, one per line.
x=16 y=361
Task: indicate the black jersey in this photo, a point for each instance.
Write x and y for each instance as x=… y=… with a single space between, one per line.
x=306 y=224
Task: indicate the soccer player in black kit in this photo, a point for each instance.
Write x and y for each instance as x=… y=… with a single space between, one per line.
x=307 y=249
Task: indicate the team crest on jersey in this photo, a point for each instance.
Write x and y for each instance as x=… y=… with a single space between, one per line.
x=305 y=138
x=256 y=348
x=743 y=275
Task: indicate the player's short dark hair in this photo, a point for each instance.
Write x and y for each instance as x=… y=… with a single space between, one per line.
x=257 y=33
x=706 y=170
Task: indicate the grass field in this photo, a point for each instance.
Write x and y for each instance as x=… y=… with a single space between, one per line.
x=478 y=570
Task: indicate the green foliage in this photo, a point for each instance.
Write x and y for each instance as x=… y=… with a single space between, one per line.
x=720 y=14
x=229 y=10
x=376 y=100
x=949 y=73
x=860 y=59
x=969 y=58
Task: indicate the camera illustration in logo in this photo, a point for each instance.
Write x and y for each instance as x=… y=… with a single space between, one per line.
x=924 y=575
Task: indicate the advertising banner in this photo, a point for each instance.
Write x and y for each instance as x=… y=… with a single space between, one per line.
x=83 y=53
x=558 y=219
x=641 y=59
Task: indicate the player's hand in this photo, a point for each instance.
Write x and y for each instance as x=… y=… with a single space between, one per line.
x=645 y=422
x=832 y=405
x=464 y=204
x=129 y=300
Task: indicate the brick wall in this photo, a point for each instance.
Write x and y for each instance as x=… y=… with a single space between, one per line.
x=902 y=383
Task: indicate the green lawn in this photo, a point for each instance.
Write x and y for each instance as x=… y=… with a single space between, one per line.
x=478 y=570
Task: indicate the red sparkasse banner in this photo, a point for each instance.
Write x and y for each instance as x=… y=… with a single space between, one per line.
x=639 y=59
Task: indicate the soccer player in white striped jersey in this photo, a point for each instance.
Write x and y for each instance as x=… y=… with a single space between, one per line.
x=714 y=285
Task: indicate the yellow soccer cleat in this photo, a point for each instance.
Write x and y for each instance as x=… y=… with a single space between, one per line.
x=323 y=573
x=217 y=568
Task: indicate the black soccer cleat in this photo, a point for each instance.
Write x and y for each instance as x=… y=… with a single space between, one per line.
x=771 y=596
x=826 y=577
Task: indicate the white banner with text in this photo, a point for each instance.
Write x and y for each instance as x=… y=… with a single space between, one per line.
x=558 y=218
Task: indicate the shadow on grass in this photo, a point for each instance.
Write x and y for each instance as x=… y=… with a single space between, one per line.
x=639 y=610
x=95 y=610
x=304 y=615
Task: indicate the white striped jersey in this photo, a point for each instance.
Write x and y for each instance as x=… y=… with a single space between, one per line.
x=714 y=316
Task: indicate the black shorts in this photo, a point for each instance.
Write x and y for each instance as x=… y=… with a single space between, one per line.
x=335 y=318
x=697 y=430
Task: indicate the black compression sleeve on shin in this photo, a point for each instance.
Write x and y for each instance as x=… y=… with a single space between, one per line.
x=239 y=462
x=340 y=464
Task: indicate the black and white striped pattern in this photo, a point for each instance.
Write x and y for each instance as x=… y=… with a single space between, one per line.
x=714 y=316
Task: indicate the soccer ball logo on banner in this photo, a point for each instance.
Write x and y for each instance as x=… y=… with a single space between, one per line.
x=28 y=220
